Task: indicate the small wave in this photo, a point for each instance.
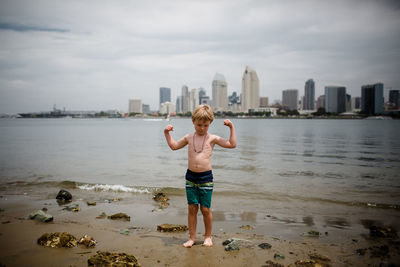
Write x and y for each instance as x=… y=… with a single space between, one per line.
x=115 y=188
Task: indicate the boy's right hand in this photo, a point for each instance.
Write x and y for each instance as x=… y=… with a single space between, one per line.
x=168 y=128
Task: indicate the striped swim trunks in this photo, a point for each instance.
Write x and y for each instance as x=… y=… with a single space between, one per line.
x=199 y=187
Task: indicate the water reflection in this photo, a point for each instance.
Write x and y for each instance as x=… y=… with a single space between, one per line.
x=248 y=216
x=308 y=220
x=219 y=216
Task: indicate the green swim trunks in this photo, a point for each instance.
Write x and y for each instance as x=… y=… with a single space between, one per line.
x=199 y=188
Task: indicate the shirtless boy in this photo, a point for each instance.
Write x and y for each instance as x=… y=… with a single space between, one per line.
x=199 y=178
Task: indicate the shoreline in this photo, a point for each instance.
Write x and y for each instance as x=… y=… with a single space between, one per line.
x=18 y=236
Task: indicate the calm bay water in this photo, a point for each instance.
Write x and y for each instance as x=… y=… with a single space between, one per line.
x=349 y=162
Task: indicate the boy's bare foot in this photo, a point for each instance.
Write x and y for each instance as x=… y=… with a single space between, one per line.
x=188 y=244
x=208 y=241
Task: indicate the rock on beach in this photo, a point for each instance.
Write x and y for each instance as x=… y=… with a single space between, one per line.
x=119 y=216
x=63 y=196
x=104 y=258
x=171 y=228
x=40 y=216
x=57 y=240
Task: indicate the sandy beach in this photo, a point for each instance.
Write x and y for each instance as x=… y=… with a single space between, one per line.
x=19 y=235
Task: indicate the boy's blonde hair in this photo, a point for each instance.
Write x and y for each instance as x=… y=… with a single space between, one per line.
x=203 y=113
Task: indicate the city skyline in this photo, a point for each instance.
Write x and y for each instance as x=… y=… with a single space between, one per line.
x=50 y=53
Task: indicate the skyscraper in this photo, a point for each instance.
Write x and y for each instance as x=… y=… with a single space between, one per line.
x=356 y=103
x=290 y=98
x=135 y=106
x=335 y=99
x=250 y=90
x=203 y=97
x=185 y=99
x=178 y=104
x=372 y=98
x=321 y=101
x=219 y=93
x=394 y=97
x=309 y=95
x=165 y=95
x=348 y=102
x=193 y=99
x=263 y=102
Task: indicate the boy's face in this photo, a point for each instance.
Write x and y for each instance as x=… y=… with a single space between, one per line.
x=201 y=126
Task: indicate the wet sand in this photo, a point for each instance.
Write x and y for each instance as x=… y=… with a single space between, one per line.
x=18 y=237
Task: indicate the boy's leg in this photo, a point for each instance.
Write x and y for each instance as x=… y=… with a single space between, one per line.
x=192 y=223
x=207 y=217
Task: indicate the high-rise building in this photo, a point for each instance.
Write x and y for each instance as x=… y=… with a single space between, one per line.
x=394 y=97
x=135 y=106
x=185 y=99
x=250 y=90
x=309 y=95
x=234 y=104
x=356 y=103
x=372 y=98
x=146 y=108
x=219 y=93
x=263 y=102
x=167 y=108
x=290 y=98
x=203 y=97
x=321 y=101
x=178 y=104
x=348 y=102
x=165 y=95
x=335 y=99
x=193 y=99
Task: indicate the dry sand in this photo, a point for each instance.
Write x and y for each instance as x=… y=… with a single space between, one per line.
x=18 y=238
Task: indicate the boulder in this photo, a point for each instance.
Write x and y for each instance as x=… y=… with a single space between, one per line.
x=40 y=216
x=272 y=264
x=308 y=263
x=119 y=216
x=103 y=215
x=88 y=241
x=160 y=197
x=64 y=196
x=171 y=228
x=265 y=246
x=236 y=243
x=319 y=258
x=312 y=233
x=104 y=258
x=384 y=232
x=57 y=240
x=279 y=256
x=91 y=203
x=247 y=227
x=74 y=207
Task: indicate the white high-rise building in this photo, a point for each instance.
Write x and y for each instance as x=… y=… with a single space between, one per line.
x=219 y=93
x=250 y=90
x=185 y=99
x=167 y=108
x=193 y=99
x=135 y=106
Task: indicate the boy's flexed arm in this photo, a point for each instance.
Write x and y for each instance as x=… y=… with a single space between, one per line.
x=171 y=142
x=231 y=143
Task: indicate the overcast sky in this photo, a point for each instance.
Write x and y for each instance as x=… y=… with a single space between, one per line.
x=95 y=55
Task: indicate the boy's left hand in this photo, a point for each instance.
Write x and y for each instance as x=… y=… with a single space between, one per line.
x=228 y=123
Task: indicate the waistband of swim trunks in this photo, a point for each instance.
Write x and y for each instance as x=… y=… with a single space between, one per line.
x=198 y=174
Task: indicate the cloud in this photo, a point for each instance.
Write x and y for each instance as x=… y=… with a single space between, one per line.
x=97 y=55
x=26 y=28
